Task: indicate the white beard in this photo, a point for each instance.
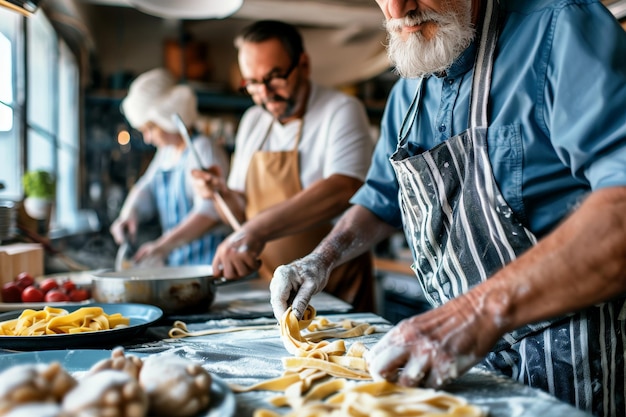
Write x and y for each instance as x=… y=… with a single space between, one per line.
x=418 y=57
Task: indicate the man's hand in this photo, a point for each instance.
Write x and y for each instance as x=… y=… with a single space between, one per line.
x=148 y=251
x=298 y=281
x=238 y=255
x=435 y=347
x=207 y=182
x=123 y=229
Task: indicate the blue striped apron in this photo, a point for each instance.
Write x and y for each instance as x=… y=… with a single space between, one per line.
x=461 y=231
x=174 y=205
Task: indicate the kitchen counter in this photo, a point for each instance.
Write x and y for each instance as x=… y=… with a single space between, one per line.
x=251 y=356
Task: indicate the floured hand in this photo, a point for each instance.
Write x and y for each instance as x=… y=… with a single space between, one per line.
x=435 y=347
x=298 y=281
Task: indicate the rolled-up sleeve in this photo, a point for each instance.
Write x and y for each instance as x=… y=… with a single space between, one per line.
x=379 y=194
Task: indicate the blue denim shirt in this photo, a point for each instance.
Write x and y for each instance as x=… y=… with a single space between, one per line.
x=557 y=123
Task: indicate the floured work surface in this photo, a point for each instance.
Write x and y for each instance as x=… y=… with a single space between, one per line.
x=319 y=380
x=250 y=357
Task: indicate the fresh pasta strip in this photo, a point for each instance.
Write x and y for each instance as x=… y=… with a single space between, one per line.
x=374 y=398
x=358 y=330
x=324 y=389
x=323 y=369
x=179 y=330
x=276 y=384
x=296 y=364
x=52 y=320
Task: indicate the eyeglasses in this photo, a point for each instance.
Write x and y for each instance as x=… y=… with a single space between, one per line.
x=271 y=82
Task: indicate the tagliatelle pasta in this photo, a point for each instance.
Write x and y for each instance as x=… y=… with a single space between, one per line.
x=52 y=320
x=320 y=380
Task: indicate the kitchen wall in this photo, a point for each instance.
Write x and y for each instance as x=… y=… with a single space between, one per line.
x=125 y=41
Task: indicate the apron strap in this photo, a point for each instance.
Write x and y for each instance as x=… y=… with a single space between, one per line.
x=411 y=115
x=481 y=82
x=267 y=134
x=269 y=129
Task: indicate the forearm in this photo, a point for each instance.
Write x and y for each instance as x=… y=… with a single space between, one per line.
x=357 y=231
x=581 y=263
x=132 y=202
x=321 y=202
x=140 y=201
x=296 y=283
x=191 y=228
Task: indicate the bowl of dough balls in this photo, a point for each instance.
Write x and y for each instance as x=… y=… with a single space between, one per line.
x=119 y=385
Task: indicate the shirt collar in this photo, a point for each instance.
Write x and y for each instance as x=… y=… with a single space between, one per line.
x=463 y=63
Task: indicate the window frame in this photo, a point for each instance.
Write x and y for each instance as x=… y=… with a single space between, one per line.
x=47 y=114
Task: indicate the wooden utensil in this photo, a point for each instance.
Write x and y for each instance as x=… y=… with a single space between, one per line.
x=232 y=220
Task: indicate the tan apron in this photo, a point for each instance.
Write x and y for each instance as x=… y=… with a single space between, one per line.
x=272 y=178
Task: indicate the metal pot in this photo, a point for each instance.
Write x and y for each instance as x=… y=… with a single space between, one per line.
x=184 y=289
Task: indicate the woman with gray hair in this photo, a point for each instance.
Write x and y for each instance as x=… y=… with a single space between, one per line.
x=191 y=228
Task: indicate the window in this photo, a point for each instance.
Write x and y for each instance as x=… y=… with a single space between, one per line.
x=42 y=64
x=68 y=153
x=39 y=111
x=10 y=71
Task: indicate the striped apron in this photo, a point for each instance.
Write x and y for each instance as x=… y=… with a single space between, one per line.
x=174 y=205
x=461 y=231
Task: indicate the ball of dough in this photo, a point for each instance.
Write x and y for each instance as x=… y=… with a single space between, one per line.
x=107 y=393
x=121 y=362
x=176 y=387
x=33 y=383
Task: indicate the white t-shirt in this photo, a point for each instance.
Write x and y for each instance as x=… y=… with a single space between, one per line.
x=335 y=138
x=140 y=198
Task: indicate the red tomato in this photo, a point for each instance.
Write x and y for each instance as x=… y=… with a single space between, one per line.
x=11 y=293
x=79 y=294
x=56 y=295
x=48 y=284
x=24 y=279
x=32 y=294
x=68 y=285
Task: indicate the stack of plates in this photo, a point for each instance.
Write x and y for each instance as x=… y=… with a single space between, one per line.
x=7 y=220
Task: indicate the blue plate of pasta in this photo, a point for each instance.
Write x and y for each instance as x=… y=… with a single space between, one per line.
x=91 y=325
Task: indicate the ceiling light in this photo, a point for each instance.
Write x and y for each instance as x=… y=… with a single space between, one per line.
x=187 y=9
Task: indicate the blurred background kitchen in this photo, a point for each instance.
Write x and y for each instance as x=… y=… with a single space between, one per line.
x=65 y=68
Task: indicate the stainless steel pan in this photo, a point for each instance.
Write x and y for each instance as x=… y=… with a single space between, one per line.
x=184 y=289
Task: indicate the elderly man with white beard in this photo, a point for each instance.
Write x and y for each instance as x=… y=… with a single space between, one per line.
x=502 y=156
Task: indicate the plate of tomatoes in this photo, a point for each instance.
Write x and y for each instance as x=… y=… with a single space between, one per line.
x=60 y=290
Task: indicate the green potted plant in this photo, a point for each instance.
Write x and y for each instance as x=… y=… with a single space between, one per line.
x=40 y=190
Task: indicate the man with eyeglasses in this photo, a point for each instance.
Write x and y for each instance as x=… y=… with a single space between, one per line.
x=301 y=152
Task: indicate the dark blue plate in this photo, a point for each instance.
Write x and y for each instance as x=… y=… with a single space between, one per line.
x=141 y=316
x=79 y=361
